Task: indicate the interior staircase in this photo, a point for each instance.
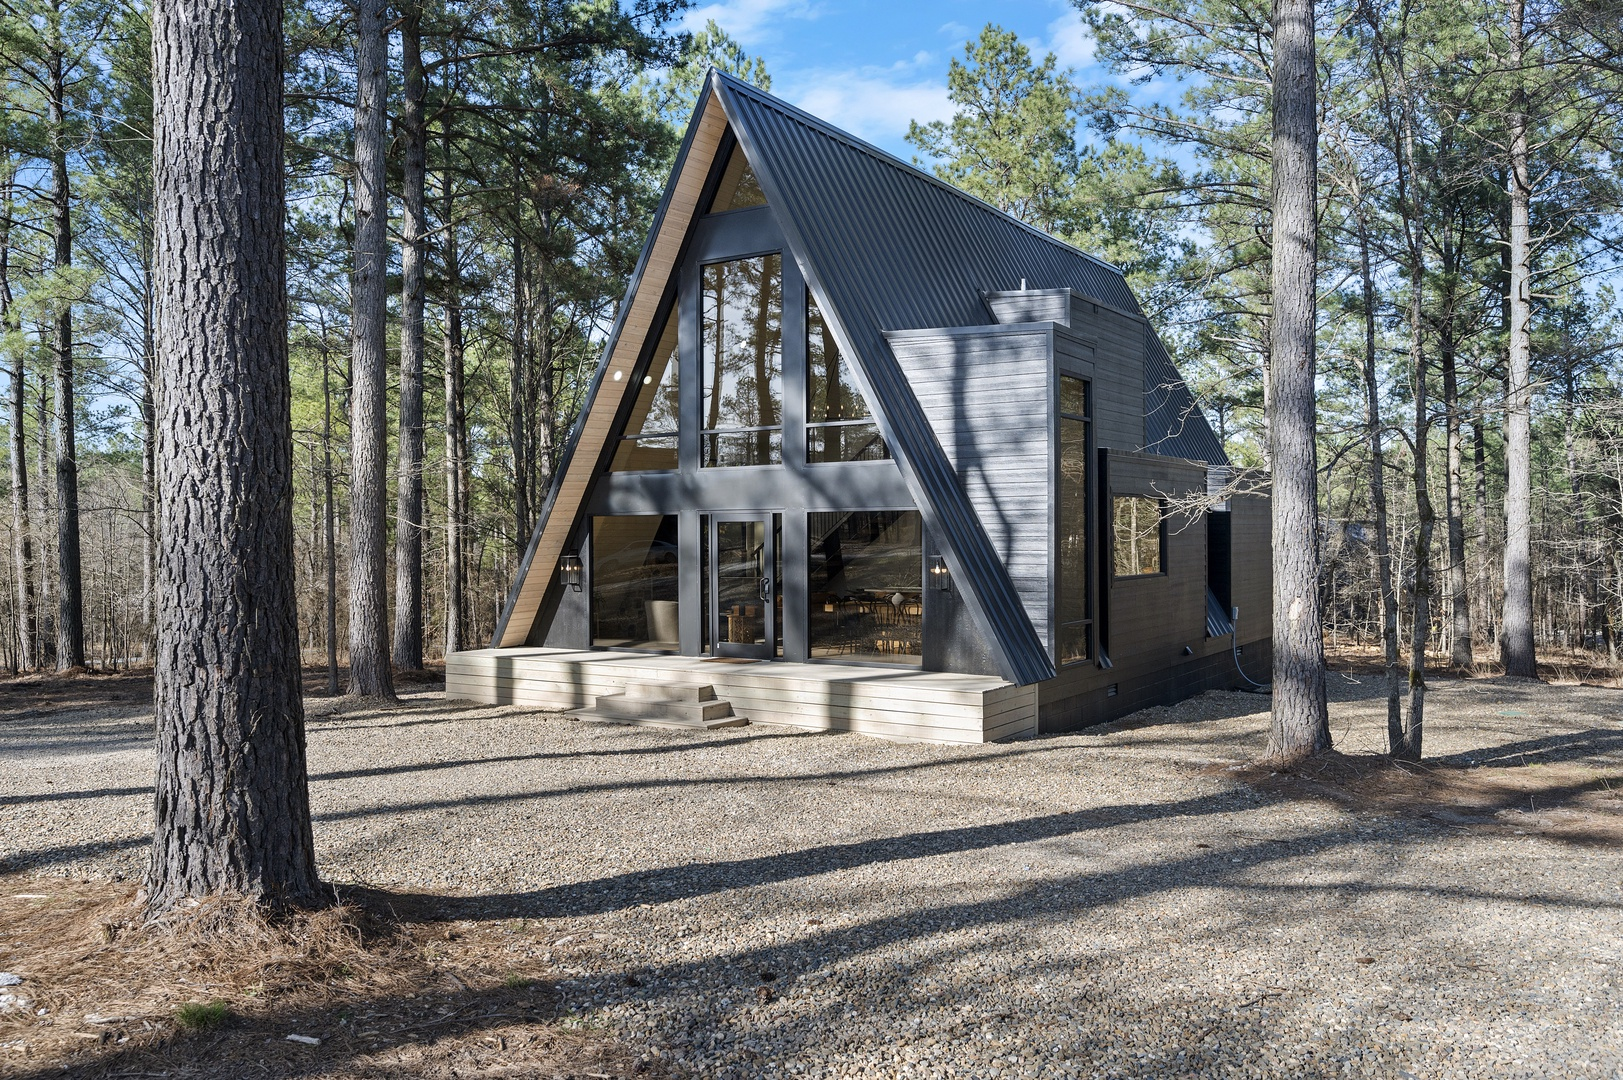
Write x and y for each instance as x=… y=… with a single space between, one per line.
x=678 y=706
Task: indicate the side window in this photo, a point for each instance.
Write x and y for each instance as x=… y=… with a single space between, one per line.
x=1138 y=535
x=1075 y=626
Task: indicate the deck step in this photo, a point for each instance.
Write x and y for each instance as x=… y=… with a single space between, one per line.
x=679 y=706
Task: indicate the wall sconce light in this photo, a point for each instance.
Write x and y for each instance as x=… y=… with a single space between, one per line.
x=940 y=579
x=569 y=571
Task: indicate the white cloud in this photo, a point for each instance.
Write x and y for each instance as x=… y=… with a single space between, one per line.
x=749 y=22
x=871 y=104
x=1070 y=42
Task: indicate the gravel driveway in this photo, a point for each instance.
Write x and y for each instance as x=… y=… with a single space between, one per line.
x=757 y=903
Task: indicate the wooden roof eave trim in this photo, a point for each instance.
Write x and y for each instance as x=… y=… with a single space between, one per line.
x=658 y=262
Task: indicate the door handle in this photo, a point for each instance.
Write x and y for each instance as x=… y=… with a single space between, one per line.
x=766 y=588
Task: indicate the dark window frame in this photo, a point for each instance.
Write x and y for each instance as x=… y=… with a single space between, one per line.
x=1160 y=532
x=705 y=434
x=1089 y=532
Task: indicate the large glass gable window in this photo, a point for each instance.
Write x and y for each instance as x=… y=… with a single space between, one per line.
x=839 y=424
x=1075 y=627
x=649 y=442
x=738 y=190
x=743 y=362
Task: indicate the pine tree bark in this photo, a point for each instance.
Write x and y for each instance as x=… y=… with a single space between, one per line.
x=70 y=615
x=21 y=530
x=1461 y=638
x=329 y=537
x=369 y=674
x=232 y=812
x=456 y=444
x=517 y=377
x=408 y=579
x=1301 y=724
x=1516 y=624
x=1374 y=433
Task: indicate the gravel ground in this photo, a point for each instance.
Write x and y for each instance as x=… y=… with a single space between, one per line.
x=757 y=902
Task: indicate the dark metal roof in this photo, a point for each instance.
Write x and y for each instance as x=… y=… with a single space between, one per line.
x=1218 y=623
x=889 y=247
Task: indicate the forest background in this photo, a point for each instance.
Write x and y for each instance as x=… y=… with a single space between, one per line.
x=522 y=146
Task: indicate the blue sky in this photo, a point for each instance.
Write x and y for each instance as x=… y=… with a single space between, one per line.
x=871 y=67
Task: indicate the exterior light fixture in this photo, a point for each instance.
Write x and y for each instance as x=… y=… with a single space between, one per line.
x=940 y=579
x=569 y=571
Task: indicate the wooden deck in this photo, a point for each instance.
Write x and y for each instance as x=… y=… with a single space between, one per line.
x=888 y=702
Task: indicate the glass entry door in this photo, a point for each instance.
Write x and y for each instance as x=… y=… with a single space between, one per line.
x=743 y=591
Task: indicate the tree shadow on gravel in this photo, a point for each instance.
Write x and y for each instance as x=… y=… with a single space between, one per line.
x=1562 y=800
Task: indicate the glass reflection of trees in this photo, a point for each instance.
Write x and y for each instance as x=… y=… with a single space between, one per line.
x=650 y=436
x=743 y=362
x=1139 y=535
x=1074 y=622
x=839 y=425
x=866 y=579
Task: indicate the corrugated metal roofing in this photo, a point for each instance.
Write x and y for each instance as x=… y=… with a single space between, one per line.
x=890 y=247
x=1218 y=623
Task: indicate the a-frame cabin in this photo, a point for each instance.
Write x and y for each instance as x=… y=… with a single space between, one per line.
x=864 y=452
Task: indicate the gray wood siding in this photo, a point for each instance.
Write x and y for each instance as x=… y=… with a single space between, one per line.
x=986 y=394
x=1253 y=571
x=1033 y=305
x=1118 y=372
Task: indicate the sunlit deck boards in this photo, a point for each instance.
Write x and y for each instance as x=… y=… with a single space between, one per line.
x=887 y=702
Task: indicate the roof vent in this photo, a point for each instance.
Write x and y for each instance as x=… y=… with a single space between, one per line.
x=1022 y=284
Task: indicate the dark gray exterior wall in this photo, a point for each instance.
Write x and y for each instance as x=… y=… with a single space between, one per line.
x=1151 y=620
x=986 y=394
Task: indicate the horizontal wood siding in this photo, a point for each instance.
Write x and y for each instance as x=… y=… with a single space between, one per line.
x=1118 y=372
x=1253 y=569
x=1151 y=619
x=986 y=395
x=1033 y=305
x=919 y=706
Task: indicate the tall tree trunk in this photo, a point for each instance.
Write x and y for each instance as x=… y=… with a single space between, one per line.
x=1479 y=465
x=517 y=375
x=1373 y=432
x=1411 y=744
x=408 y=573
x=1461 y=644
x=1301 y=723
x=232 y=809
x=45 y=611
x=1408 y=747
x=328 y=533
x=1516 y=625
x=70 y=633
x=149 y=505
x=456 y=443
x=21 y=532
x=369 y=674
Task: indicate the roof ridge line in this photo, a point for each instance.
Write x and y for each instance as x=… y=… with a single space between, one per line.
x=794 y=112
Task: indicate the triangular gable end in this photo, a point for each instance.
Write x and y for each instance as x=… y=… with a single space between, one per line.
x=984 y=582
x=612 y=382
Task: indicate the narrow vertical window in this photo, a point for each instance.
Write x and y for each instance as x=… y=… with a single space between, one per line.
x=1075 y=624
x=839 y=424
x=743 y=362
